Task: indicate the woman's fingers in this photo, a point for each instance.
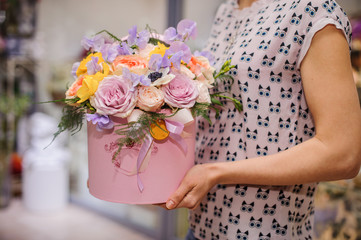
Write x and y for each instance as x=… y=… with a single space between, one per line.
x=178 y=196
x=162 y=205
x=193 y=188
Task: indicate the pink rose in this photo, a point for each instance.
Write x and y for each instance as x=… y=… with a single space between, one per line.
x=114 y=97
x=150 y=98
x=181 y=92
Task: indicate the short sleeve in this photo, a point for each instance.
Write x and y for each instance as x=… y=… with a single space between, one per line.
x=319 y=16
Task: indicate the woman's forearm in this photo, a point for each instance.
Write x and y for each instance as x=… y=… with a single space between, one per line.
x=310 y=161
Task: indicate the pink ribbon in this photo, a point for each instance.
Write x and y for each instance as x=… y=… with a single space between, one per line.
x=142 y=153
x=175 y=129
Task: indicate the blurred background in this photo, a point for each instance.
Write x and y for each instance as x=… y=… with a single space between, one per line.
x=43 y=193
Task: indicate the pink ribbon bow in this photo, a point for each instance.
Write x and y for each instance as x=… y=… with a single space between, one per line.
x=175 y=130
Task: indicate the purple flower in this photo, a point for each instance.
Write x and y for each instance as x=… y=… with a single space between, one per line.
x=181 y=92
x=124 y=49
x=140 y=39
x=157 y=61
x=176 y=47
x=143 y=39
x=170 y=35
x=102 y=121
x=93 y=66
x=92 y=42
x=109 y=51
x=74 y=69
x=95 y=43
x=187 y=29
x=132 y=36
x=144 y=80
x=135 y=78
x=206 y=54
x=176 y=59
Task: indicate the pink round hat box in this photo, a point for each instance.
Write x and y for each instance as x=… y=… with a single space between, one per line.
x=161 y=172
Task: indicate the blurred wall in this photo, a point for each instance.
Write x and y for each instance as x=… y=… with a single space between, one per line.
x=203 y=12
x=352 y=7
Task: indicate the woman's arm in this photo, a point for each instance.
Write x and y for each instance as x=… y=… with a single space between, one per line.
x=335 y=151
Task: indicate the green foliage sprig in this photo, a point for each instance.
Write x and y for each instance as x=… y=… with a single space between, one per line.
x=110 y=34
x=153 y=37
x=201 y=109
x=223 y=72
x=73 y=115
x=223 y=75
x=135 y=132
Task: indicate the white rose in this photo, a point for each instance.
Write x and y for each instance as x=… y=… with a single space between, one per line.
x=208 y=71
x=184 y=70
x=204 y=96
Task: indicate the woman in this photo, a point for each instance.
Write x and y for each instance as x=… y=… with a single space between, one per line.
x=258 y=170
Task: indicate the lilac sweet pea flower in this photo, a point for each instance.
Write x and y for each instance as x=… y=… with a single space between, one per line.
x=179 y=49
x=132 y=36
x=187 y=29
x=141 y=40
x=93 y=66
x=176 y=59
x=170 y=35
x=109 y=51
x=206 y=54
x=93 y=42
x=157 y=61
x=124 y=49
x=135 y=78
x=74 y=69
x=144 y=80
x=102 y=121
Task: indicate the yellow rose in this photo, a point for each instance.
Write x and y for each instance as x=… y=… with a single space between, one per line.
x=88 y=88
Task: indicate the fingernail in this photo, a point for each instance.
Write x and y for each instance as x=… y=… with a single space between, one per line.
x=170 y=204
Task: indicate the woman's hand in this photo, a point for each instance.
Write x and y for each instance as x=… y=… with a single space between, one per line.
x=195 y=185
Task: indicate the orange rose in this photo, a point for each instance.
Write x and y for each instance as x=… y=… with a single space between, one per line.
x=71 y=92
x=202 y=69
x=134 y=63
x=196 y=65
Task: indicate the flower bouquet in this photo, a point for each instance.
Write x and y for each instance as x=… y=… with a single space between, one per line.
x=140 y=95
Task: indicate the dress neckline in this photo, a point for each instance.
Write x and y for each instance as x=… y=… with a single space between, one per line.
x=254 y=6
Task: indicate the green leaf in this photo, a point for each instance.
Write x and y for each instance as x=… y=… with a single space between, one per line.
x=216 y=101
x=155 y=41
x=238 y=105
x=71 y=120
